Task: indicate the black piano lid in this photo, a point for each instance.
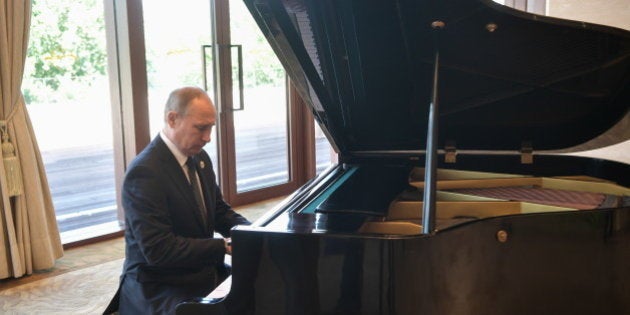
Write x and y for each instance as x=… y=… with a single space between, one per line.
x=365 y=67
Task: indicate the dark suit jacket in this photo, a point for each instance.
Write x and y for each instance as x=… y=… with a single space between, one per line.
x=170 y=255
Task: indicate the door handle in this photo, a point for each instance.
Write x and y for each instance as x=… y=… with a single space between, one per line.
x=236 y=72
x=239 y=75
x=204 y=65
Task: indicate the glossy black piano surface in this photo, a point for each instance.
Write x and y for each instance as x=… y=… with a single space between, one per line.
x=511 y=87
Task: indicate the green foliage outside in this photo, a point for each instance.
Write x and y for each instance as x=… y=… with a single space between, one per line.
x=67 y=52
x=66 y=48
x=261 y=66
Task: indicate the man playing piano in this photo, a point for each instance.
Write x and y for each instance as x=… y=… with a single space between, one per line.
x=173 y=206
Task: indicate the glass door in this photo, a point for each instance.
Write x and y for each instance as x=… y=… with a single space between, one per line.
x=251 y=89
x=259 y=106
x=216 y=44
x=174 y=53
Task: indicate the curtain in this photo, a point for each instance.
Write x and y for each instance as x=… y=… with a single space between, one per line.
x=29 y=236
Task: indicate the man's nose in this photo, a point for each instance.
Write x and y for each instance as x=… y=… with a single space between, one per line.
x=206 y=136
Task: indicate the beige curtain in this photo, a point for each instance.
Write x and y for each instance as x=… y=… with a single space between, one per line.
x=29 y=237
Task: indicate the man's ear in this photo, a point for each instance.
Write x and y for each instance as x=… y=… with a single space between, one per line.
x=171 y=116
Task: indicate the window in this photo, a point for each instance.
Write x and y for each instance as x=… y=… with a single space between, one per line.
x=66 y=90
x=217 y=45
x=532 y=6
x=324 y=154
x=95 y=97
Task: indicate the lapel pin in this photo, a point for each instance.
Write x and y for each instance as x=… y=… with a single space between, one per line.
x=202 y=164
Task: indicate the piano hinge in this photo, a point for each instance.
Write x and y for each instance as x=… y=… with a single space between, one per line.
x=450 y=152
x=527 y=153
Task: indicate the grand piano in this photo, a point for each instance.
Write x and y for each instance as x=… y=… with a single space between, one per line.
x=450 y=196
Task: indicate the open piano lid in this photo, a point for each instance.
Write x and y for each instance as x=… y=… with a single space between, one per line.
x=506 y=77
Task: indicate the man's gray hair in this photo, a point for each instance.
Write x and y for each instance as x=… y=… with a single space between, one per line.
x=179 y=99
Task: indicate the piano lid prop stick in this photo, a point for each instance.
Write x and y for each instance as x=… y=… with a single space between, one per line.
x=428 y=204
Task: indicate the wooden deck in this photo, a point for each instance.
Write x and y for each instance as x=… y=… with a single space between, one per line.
x=83 y=187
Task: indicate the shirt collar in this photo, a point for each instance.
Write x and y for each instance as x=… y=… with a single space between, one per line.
x=181 y=158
